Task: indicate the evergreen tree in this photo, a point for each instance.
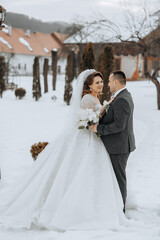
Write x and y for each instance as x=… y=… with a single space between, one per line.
x=2 y=74
x=69 y=77
x=36 y=88
x=45 y=73
x=106 y=65
x=88 y=58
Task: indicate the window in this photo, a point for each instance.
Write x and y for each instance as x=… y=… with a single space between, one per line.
x=19 y=66
x=25 y=66
x=59 y=69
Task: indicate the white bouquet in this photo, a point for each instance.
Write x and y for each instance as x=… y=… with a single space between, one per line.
x=87 y=117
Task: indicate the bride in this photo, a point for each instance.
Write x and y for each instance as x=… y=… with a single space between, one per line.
x=71 y=186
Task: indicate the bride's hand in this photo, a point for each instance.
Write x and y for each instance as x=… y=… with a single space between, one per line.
x=93 y=127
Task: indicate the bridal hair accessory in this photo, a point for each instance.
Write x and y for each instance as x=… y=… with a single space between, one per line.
x=83 y=75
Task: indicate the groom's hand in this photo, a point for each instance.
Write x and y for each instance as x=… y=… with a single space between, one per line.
x=93 y=128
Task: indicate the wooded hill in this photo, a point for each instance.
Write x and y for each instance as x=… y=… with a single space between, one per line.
x=24 y=22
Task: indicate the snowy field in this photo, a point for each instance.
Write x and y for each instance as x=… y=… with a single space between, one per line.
x=25 y=122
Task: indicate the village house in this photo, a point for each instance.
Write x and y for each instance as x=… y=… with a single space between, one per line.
x=20 y=48
x=129 y=57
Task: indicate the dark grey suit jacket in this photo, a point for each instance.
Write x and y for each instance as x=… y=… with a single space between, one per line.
x=116 y=125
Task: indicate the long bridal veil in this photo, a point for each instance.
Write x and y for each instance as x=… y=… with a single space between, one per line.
x=8 y=194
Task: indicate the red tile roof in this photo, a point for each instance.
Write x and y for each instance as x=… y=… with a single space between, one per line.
x=37 y=41
x=62 y=37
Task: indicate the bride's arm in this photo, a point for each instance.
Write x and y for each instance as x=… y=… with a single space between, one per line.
x=87 y=102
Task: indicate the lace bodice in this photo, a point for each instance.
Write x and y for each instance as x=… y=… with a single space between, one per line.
x=88 y=101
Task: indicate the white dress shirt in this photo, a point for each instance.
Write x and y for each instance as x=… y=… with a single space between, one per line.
x=116 y=93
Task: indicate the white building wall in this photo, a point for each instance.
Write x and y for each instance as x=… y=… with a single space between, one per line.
x=140 y=65
x=128 y=65
x=23 y=64
x=62 y=64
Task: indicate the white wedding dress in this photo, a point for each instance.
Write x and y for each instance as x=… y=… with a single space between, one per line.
x=71 y=186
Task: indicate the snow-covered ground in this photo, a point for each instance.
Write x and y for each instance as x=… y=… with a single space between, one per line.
x=25 y=122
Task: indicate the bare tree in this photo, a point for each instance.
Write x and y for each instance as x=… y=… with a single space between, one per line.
x=144 y=31
x=141 y=28
x=97 y=27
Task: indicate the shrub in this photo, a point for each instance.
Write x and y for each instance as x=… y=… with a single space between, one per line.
x=69 y=78
x=36 y=87
x=106 y=65
x=37 y=148
x=88 y=58
x=2 y=75
x=20 y=92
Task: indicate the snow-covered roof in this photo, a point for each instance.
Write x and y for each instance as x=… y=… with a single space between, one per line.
x=23 y=41
x=5 y=42
x=46 y=50
x=36 y=43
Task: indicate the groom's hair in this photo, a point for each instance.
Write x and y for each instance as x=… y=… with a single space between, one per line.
x=120 y=76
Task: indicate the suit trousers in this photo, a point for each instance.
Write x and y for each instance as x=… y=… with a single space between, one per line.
x=119 y=162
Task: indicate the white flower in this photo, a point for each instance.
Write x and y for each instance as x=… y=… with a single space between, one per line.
x=85 y=123
x=105 y=103
x=90 y=111
x=98 y=112
x=85 y=116
x=90 y=118
x=95 y=120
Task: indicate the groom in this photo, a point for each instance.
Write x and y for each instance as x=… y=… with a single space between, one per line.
x=116 y=128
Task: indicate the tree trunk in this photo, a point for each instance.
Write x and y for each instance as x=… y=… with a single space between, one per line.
x=145 y=65
x=69 y=77
x=36 y=88
x=158 y=97
x=2 y=75
x=7 y=72
x=157 y=84
x=45 y=73
x=54 y=68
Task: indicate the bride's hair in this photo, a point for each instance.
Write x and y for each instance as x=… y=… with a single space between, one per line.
x=88 y=82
